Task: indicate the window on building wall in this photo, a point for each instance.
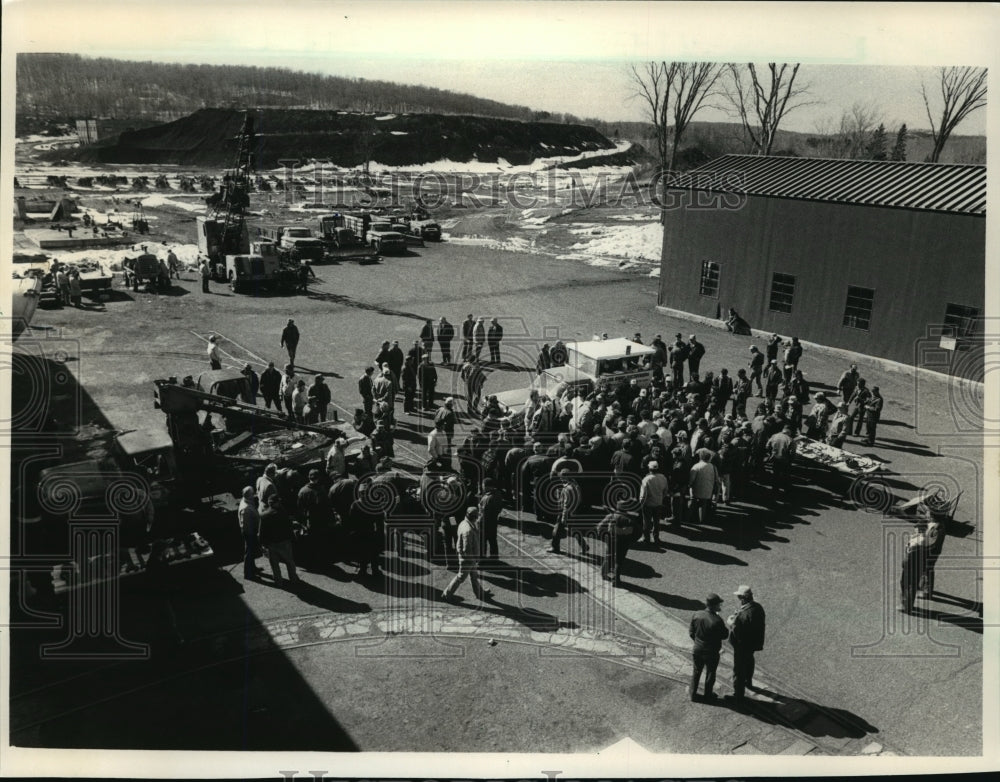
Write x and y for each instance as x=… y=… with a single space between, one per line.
x=782 y=291
x=858 y=311
x=961 y=320
x=709 y=279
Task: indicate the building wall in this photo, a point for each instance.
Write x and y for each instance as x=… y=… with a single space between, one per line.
x=917 y=263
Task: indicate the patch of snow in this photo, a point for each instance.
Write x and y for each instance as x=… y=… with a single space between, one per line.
x=643 y=242
x=162 y=200
x=385 y=117
x=399 y=133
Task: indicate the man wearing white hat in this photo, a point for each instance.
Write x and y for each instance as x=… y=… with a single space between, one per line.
x=746 y=634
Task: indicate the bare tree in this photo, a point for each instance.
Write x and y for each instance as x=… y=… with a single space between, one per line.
x=963 y=90
x=762 y=100
x=673 y=93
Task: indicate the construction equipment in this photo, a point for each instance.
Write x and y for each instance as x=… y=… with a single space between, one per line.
x=224 y=231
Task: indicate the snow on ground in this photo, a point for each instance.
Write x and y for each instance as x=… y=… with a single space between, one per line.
x=159 y=199
x=187 y=254
x=643 y=242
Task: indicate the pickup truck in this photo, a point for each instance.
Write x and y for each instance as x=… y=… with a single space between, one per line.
x=426 y=229
x=384 y=239
x=294 y=240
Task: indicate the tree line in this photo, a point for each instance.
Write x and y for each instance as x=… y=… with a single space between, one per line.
x=70 y=85
x=759 y=97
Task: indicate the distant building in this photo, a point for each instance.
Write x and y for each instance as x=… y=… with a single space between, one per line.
x=87 y=130
x=876 y=257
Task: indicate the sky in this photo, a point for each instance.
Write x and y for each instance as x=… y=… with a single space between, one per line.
x=554 y=56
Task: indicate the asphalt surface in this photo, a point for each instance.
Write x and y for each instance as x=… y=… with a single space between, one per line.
x=823 y=565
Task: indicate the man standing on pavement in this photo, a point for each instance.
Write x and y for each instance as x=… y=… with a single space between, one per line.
x=779 y=454
x=437 y=444
x=848 y=382
x=319 y=398
x=756 y=365
x=468 y=547
x=445 y=335
x=253 y=380
x=365 y=386
x=250 y=527
x=857 y=405
x=695 y=353
x=289 y=382
x=270 y=387
x=173 y=265
x=678 y=355
x=427 y=337
x=266 y=485
x=213 y=353
x=468 y=327
x=479 y=337
x=652 y=493
x=428 y=378
x=474 y=377
x=396 y=359
x=708 y=631
x=446 y=418
x=746 y=634
x=206 y=273
x=490 y=507
x=493 y=336
x=290 y=340
x=619 y=532
x=277 y=534
x=873 y=414
x=704 y=484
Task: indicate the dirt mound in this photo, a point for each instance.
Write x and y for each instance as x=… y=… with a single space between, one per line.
x=207 y=138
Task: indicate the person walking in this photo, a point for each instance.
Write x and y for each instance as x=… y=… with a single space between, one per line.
x=708 y=631
x=570 y=500
x=445 y=335
x=270 y=387
x=427 y=376
x=319 y=398
x=253 y=380
x=290 y=340
x=479 y=337
x=289 y=382
x=619 y=531
x=468 y=328
x=213 y=353
x=653 y=492
x=249 y=520
x=467 y=546
x=276 y=535
x=427 y=337
x=873 y=414
x=173 y=265
x=206 y=275
x=493 y=337
x=746 y=634
x=365 y=386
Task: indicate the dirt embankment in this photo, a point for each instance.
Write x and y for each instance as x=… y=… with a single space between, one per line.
x=207 y=138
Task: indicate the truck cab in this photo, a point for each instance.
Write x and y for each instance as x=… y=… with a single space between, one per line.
x=258 y=269
x=383 y=238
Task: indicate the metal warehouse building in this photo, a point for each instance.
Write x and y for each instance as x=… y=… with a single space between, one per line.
x=877 y=257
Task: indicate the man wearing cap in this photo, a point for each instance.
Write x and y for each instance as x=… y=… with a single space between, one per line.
x=746 y=634
x=290 y=339
x=652 y=496
x=708 y=631
x=873 y=414
x=468 y=547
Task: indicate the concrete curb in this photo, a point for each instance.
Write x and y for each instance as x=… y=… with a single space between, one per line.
x=886 y=365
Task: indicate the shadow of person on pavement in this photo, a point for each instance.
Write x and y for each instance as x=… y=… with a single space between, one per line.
x=665 y=599
x=328 y=601
x=965 y=621
x=801 y=715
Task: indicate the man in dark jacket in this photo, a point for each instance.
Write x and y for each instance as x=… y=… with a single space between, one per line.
x=365 y=389
x=290 y=340
x=427 y=337
x=468 y=327
x=490 y=507
x=445 y=335
x=427 y=377
x=619 y=530
x=366 y=526
x=319 y=398
x=396 y=359
x=873 y=414
x=746 y=634
x=254 y=381
x=270 y=387
x=695 y=353
x=493 y=337
x=678 y=355
x=532 y=474
x=708 y=631
x=276 y=534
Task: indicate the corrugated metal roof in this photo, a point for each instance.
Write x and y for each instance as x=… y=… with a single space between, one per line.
x=938 y=187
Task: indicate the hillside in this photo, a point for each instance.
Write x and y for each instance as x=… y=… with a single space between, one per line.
x=345 y=138
x=69 y=86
